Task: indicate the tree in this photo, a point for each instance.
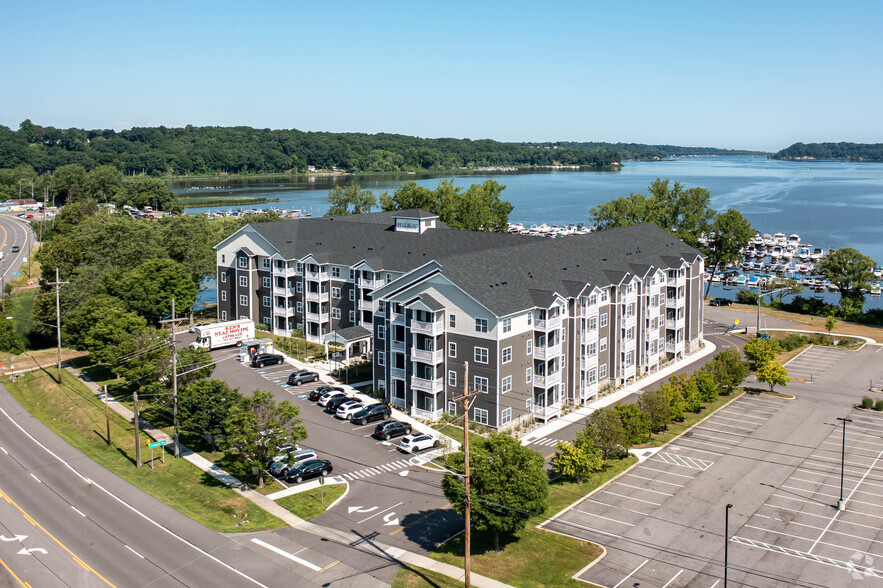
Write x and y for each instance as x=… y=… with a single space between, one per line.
x=635 y=422
x=575 y=462
x=194 y=365
x=625 y=211
x=508 y=484
x=773 y=373
x=605 y=426
x=688 y=392
x=103 y=182
x=785 y=287
x=409 y=195
x=850 y=271
x=102 y=326
x=67 y=183
x=761 y=351
x=256 y=425
x=350 y=199
x=655 y=404
x=706 y=384
x=10 y=340
x=203 y=407
x=732 y=232
x=149 y=288
x=830 y=323
x=478 y=208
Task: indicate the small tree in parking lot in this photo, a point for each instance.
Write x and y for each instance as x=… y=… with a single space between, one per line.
x=655 y=404
x=728 y=370
x=773 y=373
x=761 y=351
x=605 y=426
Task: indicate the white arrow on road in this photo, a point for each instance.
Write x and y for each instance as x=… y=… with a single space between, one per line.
x=387 y=522
x=26 y=551
x=13 y=538
x=353 y=509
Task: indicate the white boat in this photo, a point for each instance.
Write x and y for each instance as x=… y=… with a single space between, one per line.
x=875 y=288
x=780 y=239
x=794 y=240
x=776 y=253
x=817 y=254
x=768 y=240
x=804 y=253
x=757 y=240
x=787 y=254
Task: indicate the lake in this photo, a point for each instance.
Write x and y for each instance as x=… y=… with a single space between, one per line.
x=829 y=204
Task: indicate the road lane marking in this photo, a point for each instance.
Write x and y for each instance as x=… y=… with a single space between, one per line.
x=287 y=555
x=36 y=478
x=381 y=512
x=78 y=511
x=672 y=579
x=133 y=551
x=618 y=584
x=11 y=573
x=334 y=563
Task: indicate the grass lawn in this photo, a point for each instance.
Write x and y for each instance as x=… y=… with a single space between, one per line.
x=808 y=322
x=690 y=419
x=414 y=577
x=455 y=431
x=308 y=505
x=77 y=415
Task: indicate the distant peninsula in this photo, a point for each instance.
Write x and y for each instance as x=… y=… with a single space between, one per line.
x=831 y=151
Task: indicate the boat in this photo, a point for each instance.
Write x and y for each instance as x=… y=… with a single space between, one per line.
x=776 y=253
x=780 y=239
x=741 y=280
x=804 y=253
x=875 y=288
x=794 y=240
x=768 y=240
x=817 y=254
x=787 y=254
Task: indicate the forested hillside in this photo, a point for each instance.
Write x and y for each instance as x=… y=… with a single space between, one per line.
x=835 y=151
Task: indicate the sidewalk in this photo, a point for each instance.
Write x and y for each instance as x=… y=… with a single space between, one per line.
x=624 y=392
x=396 y=554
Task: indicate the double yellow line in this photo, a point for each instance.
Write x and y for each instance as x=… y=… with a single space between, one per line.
x=31 y=520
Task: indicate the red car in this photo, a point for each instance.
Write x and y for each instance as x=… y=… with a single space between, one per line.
x=30 y=216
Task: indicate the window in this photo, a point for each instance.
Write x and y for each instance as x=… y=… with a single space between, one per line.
x=506 y=384
x=243 y=262
x=480 y=355
x=266 y=282
x=452 y=407
x=629 y=358
x=563 y=333
x=452 y=378
x=223 y=315
x=529 y=347
x=506 y=416
x=381 y=306
x=335 y=313
x=266 y=320
x=480 y=384
x=480 y=325
x=335 y=272
x=452 y=321
x=593 y=299
x=604 y=319
x=265 y=262
x=243 y=281
x=381 y=332
x=223 y=295
x=299 y=288
x=593 y=323
x=603 y=344
x=352 y=275
x=592 y=377
x=602 y=371
x=223 y=258
x=452 y=350
x=481 y=416
x=299 y=307
x=528 y=376
x=388 y=278
x=266 y=301
x=604 y=295
x=243 y=300
x=507 y=325
x=335 y=292
x=381 y=358
x=224 y=277
x=352 y=316
x=529 y=319
x=299 y=268
x=381 y=385
x=507 y=354
x=352 y=292
x=593 y=349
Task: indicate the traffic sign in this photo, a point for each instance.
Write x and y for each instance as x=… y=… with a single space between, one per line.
x=159 y=443
x=14 y=273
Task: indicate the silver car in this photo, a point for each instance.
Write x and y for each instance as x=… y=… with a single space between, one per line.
x=280 y=468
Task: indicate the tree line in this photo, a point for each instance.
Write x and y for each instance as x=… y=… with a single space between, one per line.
x=832 y=151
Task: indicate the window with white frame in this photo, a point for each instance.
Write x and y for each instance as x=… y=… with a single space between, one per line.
x=593 y=299
x=629 y=358
x=335 y=292
x=243 y=300
x=452 y=407
x=452 y=321
x=480 y=384
x=223 y=295
x=603 y=319
x=335 y=271
x=243 y=261
x=507 y=354
x=352 y=316
x=452 y=350
x=528 y=376
x=506 y=384
x=480 y=325
x=352 y=275
x=223 y=258
x=243 y=281
x=335 y=313
x=381 y=332
x=592 y=376
x=563 y=333
x=603 y=344
x=593 y=349
x=480 y=355
x=223 y=315
x=299 y=307
x=266 y=320
x=381 y=385
x=224 y=277
x=352 y=292
x=481 y=416
x=452 y=378
x=266 y=282
x=381 y=358
x=602 y=371
x=529 y=319
x=299 y=288
x=298 y=268
x=604 y=295
x=506 y=416
x=507 y=325
x=529 y=347
x=381 y=306
x=593 y=323
x=266 y=301
x=265 y=262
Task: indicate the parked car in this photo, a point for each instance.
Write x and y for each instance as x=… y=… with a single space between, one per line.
x=16 y=248
x=328 y=396
x=301 y=376
x=282 y=452
x=280 y=468
x=388 y=429
x=310 y=468
x=318 y=392
x=720 y=302
x=416 y=442
x=372 y=412
x=262 y=359
x=30 y=216
x=348 y=409
x=334 y=403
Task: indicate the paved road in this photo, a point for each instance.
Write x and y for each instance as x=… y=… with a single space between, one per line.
x=14 y=231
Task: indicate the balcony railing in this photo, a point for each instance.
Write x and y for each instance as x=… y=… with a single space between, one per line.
x=674 y=347
x=319 y=275
x=284 y=271
x=282 y=311
x=366 y=305
x=546 y=381
x=433 y=386
x=547 y=352
x=397 y=373
x=425 y=356
x=397 y=345
x=400 y=402
x=426 y=415
x=369 y=284
x=547 y=324
x=322 y=317
x=397 y=317
x=547 y=412
x=315 y=296
x=432 y=329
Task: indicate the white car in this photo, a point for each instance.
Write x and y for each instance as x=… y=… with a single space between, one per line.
x=348 y=409
x=323 y=400
x=416 y=442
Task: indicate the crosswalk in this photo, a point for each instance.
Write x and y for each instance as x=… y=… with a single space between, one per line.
x=546 y=442
x=391 y=467
x=685 y=461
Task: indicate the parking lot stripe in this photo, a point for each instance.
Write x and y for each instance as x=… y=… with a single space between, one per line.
x=669 y=473
x=631 y=573
x=672 y=579
x=834 y=545
x=652 y=479
x=718 y=440
x=832 y=496
x=631 y=498
x=850 y=566
x=617 y=507
x=605 y=518
x=832 y=532
x=692 y=439
x=741 y=415
x=681 y=444
x=643 y=489
x=719 y=424
x=810 y=514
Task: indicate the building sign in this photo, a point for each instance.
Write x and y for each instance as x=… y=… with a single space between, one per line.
x=408 y=225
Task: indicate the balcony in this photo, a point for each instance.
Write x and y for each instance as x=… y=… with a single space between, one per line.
x=547 y=352
x=424 y=385
x=397 y=317
x=425 y=356
x=322 y=317
x=431 y=329
x=547 y=381
x=400 y=402
x=547 y=412
x=674 y=323
x=674 y=347
x=397 y=373
x=281 y=291
x=314 y=296
x=366 y=305
x=319 y=275
x=397 y=346
x=284 y=271
x=282 y=311
x=369 y=284
x=548 y=324
x=426 y=415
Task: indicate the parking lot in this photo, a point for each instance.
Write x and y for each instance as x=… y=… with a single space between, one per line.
x=814 y=362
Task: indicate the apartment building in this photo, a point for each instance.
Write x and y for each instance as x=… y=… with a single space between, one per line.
x=541 y=322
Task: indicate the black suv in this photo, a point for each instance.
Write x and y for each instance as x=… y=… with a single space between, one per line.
x=262 y=359
x=388 y=429
x=310 y=468
x=331 y=406
x=301 y=376
x=720 y=302
x=372 y=412
x=318 y=392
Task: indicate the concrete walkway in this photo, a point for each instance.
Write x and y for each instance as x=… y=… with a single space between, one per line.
x=396 y=554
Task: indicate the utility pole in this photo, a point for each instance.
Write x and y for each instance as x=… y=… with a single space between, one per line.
x=137 y=431
x=726 y=541
x=58 y=284
x=174 y=323
x=107 y=414
x=841 y=505
x=463 y=401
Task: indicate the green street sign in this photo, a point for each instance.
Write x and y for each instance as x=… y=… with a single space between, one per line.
x=158 y=443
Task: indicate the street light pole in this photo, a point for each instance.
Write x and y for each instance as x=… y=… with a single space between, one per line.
x=841 y=505
x=726 y=541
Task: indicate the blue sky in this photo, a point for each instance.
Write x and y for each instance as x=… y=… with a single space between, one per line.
x=758 y=75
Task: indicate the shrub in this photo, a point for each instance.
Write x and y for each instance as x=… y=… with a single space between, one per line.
x=706 y=384
x=878 y=406
x=746 y=296
x=867 y=402
x=793 y=341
